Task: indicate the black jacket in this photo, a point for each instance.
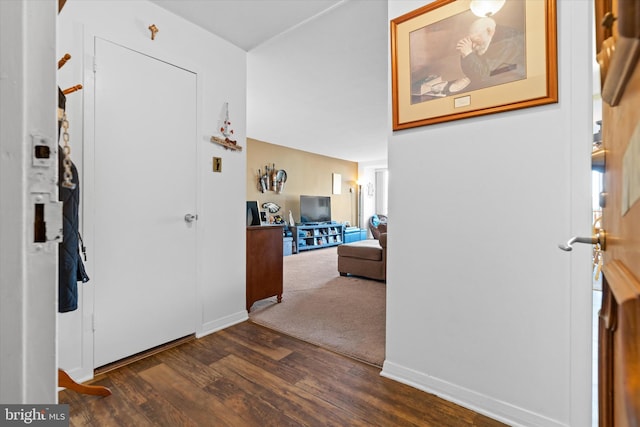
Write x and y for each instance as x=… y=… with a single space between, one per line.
x=71 y=268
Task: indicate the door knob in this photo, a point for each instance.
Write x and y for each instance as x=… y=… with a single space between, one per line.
x=190 y=218
x=599 y=238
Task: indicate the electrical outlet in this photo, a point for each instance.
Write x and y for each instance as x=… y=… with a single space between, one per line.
x=217 y=164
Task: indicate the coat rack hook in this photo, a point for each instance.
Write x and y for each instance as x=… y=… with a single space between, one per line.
x=72 y=89
x=63 y=60
x=154 y=30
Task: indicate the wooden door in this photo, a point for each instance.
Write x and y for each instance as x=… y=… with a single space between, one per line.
x=619 y=322
x=145 y=183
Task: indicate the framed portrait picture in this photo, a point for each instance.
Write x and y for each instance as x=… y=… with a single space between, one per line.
x=454 y=59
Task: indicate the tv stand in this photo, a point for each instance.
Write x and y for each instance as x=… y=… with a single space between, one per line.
x=315 y=236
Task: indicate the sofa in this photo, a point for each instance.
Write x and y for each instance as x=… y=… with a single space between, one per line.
x=365 y=258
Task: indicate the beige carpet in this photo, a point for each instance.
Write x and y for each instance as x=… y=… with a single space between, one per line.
x=342 y=314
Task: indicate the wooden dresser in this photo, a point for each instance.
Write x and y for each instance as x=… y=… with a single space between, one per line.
x=264 y=263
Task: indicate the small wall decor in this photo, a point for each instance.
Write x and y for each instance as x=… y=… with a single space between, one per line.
x=451 y=61
x=226 y=132
x=337 y=183
x=271 y=207
x=272 y=179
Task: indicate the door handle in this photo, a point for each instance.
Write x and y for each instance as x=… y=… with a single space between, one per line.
x=599 y=238
x=189 y=218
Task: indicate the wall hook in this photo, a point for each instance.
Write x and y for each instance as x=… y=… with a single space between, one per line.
x=72 y=89
x=154 y=30
x=63 y=60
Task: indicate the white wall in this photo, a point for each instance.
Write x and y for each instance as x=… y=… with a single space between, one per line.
x=320 y=86
x=482 y=307
x=221 y=70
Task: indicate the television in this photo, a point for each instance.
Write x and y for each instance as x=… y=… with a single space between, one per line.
x=315 y=209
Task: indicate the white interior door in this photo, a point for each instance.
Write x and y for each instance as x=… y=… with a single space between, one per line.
x=145 y=184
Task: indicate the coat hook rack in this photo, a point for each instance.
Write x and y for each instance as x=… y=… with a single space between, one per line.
x=64 y=380
x=154 y=30
x=63 y=60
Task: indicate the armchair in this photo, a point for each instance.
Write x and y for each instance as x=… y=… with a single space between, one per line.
x=378 y=225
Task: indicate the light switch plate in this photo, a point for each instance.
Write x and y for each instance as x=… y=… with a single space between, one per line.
x=217 y=164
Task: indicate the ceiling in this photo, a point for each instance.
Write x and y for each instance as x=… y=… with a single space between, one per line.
x=249 y=24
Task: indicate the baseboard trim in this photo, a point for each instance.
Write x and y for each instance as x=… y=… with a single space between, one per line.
x=222 y=323
x=82 y=376
x=482 y=404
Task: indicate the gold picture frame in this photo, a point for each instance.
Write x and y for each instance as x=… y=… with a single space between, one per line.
x=449 y=63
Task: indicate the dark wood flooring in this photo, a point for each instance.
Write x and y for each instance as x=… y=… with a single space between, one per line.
x=247 y=375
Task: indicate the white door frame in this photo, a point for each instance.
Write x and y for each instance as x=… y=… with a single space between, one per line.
x=28 y=291
x=580 y=280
